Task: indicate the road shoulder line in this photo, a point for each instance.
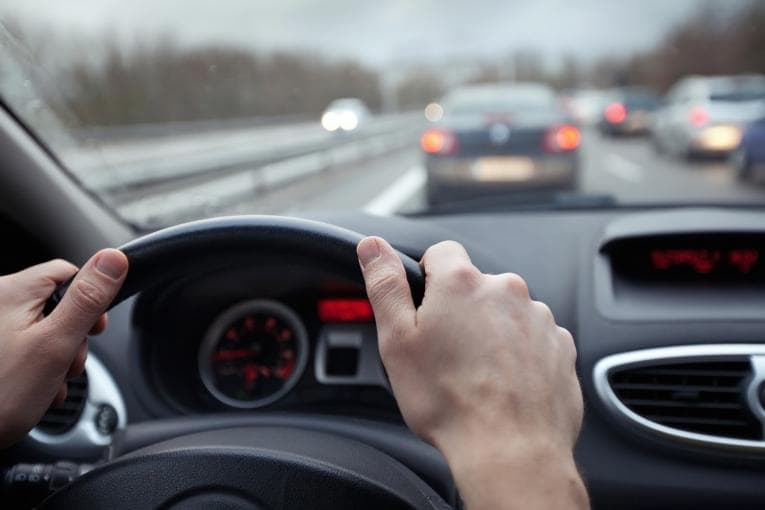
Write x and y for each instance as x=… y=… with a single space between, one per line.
x=398 y=193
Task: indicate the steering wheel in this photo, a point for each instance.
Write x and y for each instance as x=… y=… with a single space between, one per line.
x=254 y=467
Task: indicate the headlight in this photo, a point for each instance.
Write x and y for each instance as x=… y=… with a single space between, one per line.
x=349 y=121
x=331 y=121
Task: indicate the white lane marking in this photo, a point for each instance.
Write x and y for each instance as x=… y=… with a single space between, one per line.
x=396 y=195
x=624 y=168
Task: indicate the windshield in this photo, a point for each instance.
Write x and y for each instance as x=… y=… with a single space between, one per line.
x=178 y=110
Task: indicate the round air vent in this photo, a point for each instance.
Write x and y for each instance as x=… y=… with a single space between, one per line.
x=707 y=397
x=696 y=394
x=63 y=417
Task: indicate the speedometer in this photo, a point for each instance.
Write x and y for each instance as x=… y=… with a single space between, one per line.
x=253 y=354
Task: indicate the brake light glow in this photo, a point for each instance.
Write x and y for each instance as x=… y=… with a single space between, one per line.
x=615 y=113
x=438 y=141
x=698 y=116
x=345 y=310
x=563 y=138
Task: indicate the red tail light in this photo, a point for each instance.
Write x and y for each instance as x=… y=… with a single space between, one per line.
x=698 y=116
x=615 y=113
x=563 y=138
x=438 y=141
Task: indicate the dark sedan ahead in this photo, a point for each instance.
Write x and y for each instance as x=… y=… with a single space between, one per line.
x=497 y=139
x=629 y=112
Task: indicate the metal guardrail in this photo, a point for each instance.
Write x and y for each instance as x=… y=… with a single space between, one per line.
x=173 y=129
x=127 y=168
x=188 y=176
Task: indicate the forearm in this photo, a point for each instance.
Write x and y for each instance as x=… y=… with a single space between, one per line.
x=509 y=477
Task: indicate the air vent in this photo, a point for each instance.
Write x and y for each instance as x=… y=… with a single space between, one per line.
x=699 y=395
x=706 y=397
x=62 y=417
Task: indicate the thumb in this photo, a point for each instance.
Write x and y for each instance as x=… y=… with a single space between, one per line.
x=89 y=295
x=387 y=287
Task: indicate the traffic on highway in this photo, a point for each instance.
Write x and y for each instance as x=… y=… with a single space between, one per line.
x=518 y=128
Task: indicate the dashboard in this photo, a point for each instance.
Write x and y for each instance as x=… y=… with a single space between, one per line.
x=249 y=338
x=666 y=306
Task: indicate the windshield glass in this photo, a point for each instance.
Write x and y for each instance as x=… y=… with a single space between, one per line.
x=177 y=110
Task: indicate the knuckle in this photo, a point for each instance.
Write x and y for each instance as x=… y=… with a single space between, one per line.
x=544 y=311
x=442 y=248
x=464 y=274
x=450 y=245
x=566 y=341
x=87 y=297
x=566 y=335
x=516 y=285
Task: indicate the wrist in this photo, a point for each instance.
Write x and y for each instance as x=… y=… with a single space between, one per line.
x=518 y=473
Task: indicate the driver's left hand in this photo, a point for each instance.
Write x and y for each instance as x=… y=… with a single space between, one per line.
x=38 y=354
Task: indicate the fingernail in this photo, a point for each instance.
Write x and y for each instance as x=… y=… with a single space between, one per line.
x=368 y=250
x=111 y=263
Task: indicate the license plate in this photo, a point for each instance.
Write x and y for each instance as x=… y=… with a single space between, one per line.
x=504 y=169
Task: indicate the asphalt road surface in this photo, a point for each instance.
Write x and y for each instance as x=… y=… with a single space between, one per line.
x=627 y=169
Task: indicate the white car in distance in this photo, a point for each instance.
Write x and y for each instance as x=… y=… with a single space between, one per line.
x=345 y=115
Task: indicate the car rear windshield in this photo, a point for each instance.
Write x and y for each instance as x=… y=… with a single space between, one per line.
x=739 y=96
x=509 y=101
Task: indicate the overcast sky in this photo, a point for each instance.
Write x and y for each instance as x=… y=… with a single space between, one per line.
x=376 y=31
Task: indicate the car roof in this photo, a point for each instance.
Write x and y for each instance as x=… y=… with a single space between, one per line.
x=727 y=82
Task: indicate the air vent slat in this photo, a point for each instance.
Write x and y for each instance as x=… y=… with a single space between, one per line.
x=62 y=417
x=706 y=373
x=675 y=387
x=698 y=421
x=702 y=397
x=681 y=404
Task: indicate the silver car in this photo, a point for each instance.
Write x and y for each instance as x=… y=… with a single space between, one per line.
x=706 y=116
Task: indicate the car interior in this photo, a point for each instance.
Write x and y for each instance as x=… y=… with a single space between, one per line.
x=660 y=356
x=662 y=286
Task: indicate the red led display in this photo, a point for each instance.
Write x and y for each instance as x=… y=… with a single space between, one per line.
x=701 y=261
x=705 y=261
x=743 y=259
x=345 y=310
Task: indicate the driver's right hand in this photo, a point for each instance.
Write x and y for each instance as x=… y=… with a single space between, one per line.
x=482 y=372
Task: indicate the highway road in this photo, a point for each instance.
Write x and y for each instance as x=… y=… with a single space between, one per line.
x=626 y=169
x=291 y=171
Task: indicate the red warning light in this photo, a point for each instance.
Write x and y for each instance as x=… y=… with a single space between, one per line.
x=345 y=310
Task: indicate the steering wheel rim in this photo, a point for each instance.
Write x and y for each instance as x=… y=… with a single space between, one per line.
x=185 y=249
